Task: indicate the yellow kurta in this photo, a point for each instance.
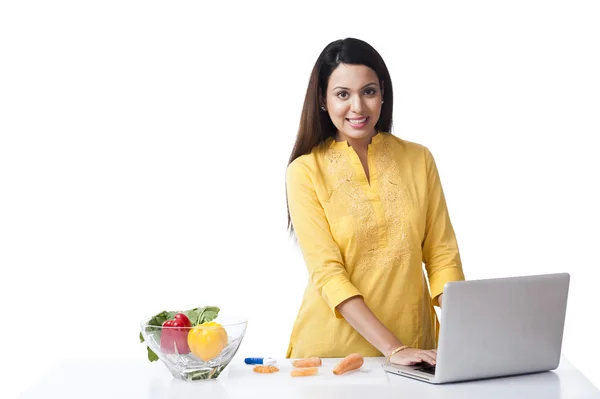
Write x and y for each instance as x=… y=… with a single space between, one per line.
x=369 y=239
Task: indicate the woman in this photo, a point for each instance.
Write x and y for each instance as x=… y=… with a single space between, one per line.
x=367 y=209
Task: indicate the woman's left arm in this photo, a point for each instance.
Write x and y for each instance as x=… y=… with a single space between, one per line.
x=440 y=249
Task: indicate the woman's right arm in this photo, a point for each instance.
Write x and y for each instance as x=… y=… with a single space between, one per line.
x=321 y=253
x=361 y=318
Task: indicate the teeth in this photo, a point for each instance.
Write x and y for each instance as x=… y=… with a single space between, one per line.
x=358 y=121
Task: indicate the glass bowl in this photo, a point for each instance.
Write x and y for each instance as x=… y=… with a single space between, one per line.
x=196 y=353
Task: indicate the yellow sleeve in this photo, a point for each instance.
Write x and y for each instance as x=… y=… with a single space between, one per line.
x=321 y=253
x=440 y=249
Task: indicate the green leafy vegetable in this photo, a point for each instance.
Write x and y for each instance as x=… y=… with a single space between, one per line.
x=202 y=315
x=151 y=355
x=197 y=316
x=160 y=318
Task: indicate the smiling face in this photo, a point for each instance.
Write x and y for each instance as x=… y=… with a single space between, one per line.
x=353 y=101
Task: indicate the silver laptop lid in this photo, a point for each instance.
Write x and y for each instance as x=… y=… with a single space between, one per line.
x=503 y=326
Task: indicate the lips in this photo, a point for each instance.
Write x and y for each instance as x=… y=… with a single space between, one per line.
x=358 y=122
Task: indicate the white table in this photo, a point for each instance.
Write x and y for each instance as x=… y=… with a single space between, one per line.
x=130 y=379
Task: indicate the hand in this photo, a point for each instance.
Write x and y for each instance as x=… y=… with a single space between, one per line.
x=410 y=356
x=440 y=299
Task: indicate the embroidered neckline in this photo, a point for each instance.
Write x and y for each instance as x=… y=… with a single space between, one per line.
x=378 y=138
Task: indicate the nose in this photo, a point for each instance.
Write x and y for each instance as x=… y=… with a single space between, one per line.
x=357 y=105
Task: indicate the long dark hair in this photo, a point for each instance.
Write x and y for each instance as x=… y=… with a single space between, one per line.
x=315 y=124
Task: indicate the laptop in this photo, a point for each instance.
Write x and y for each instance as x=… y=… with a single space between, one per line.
x=496 y=327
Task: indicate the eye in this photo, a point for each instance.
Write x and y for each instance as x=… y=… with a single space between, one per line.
x=370 y=92
x=342 y=94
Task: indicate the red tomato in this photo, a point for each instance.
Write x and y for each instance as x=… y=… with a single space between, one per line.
x=177 y=323
x=184 y=319
x=168 y=323
x=174 y=339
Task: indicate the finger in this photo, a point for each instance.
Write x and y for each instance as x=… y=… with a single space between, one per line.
x=433 y=354
x=414 y=360
x=426 y=358
x=407 y=361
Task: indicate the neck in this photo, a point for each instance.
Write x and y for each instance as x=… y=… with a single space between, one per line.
x=360 y=144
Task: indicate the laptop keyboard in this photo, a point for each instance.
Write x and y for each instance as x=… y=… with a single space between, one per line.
x=427 y=369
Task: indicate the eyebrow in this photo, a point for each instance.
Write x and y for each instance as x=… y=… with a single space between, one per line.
x=367 y=85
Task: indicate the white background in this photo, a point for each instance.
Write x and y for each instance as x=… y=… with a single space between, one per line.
x=144 y=144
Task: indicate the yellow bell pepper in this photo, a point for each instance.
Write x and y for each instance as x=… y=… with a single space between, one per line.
x=207 y=340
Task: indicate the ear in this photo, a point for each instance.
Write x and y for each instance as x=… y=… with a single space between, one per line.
x=382 y=87
x=321 y=99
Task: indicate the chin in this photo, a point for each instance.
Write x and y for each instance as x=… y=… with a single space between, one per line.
x=360 y=134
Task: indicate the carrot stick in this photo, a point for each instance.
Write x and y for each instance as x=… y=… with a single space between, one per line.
x=351 y=362
x=265 y=369
x=304 y=371
x=310 y=362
